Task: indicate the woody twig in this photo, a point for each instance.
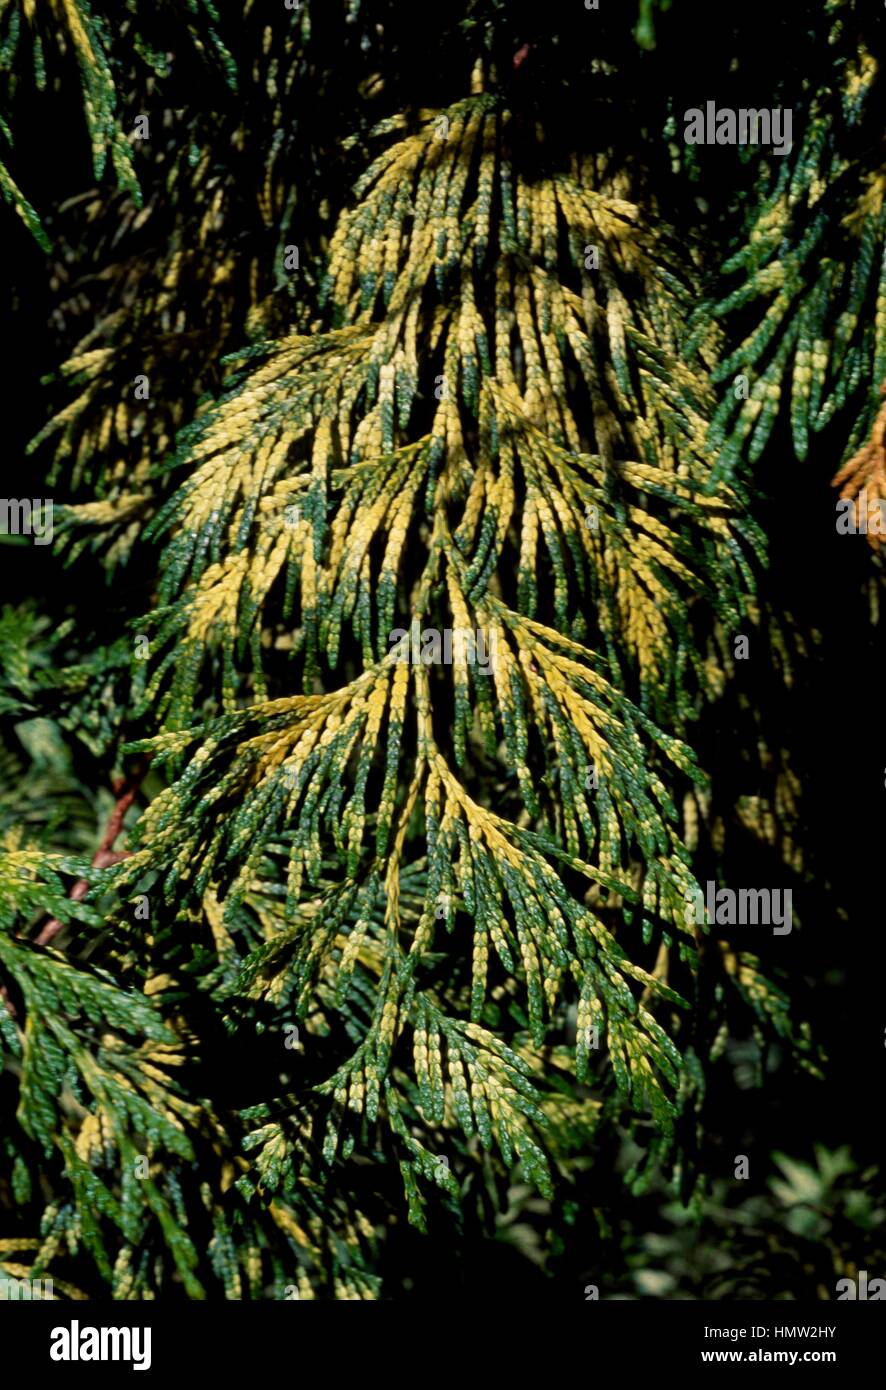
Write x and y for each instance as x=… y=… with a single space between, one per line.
x=125 y=791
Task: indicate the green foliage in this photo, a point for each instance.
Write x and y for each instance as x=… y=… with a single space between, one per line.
x=811 y=264
x=787 y=1241
x=390 y=937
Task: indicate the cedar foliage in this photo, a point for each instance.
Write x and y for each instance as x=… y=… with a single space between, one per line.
x=494 y=396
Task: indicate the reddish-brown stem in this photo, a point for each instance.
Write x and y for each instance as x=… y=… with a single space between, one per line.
x=125 y=791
